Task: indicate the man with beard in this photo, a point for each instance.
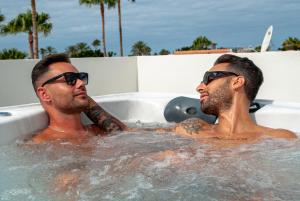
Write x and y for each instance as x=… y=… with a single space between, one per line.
x=227 y=91
x=62 y=93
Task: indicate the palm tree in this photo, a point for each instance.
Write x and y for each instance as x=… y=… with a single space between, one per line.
x=1 y=17
x=72 y=50
x=201 y=43
x=51 y=50
x=80 y=50
x=48 y=50
x=111 y=54
x=112 y=3
x=35 y=31
x=164 y=52
x=43 y=52
x=96 y=43
x=120 y=26
x=23 y=23
x=258 y=48
x=102 y=8
x=291 y=43
x=140 y=48
x=12 y=54
x=83 y=47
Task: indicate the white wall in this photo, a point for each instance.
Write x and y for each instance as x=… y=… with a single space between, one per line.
x=182 y=73
x=15 y=82
x=172 y=73
x=176 y=73
x=109 y=75
x=106 y=76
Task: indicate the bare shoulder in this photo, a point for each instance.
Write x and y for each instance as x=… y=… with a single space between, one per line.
x=192 y=126
x=281 y=133
x=40 y=137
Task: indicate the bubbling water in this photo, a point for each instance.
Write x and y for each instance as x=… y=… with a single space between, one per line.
x=151 y=166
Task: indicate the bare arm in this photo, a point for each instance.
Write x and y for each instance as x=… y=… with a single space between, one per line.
x=192 y=126
x=157 y=130
x=103 y=119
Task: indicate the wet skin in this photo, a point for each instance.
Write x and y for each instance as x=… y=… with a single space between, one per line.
x=64 y=103
x=225 y=98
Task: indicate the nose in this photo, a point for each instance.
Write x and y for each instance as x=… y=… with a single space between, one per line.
x=200 y=88
x=80 y=83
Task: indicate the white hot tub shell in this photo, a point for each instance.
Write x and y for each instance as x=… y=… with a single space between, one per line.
x=21 y=120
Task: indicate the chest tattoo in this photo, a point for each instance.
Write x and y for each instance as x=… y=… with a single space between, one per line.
x=191 y=126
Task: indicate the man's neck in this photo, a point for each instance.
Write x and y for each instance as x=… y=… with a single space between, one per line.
x=66 y=122
x=236 y=119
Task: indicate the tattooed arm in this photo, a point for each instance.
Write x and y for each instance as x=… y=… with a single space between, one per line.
x=102 y=118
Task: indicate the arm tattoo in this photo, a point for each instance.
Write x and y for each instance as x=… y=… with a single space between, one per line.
x=192 y=126
x=102 y=118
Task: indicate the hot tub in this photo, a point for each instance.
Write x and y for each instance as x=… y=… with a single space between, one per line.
x=132 y=107
x=147 y=165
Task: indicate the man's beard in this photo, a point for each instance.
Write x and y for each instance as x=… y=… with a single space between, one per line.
x=218 y=101
x=76 y=106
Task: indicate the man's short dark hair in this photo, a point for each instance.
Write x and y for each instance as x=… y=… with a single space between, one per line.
x=43 y=66
x=245 y=67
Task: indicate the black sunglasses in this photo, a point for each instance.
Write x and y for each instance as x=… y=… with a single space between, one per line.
x=70 y=78
x=212 y=75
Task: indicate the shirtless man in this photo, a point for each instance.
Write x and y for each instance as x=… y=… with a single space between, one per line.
x=62 y=93
x=226 y=91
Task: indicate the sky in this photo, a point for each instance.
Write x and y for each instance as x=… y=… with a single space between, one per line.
x=161 y=24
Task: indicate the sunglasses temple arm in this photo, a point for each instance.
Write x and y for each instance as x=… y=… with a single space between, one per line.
x=103 y=119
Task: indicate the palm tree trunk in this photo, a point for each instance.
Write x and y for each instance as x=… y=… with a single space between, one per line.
x=120 y=27
x=103 y=27
x=34 y=29
x=30 y=40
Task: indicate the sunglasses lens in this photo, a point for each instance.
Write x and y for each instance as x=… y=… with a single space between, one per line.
x=83 y=77
x=206 y=78
x=209 y=79
x=71 y=78
x=212 y=75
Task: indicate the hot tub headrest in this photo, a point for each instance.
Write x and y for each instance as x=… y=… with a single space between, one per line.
x=182 y=108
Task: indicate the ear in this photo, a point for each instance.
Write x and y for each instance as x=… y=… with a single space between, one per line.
x=238 y=82
x=43 y=94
